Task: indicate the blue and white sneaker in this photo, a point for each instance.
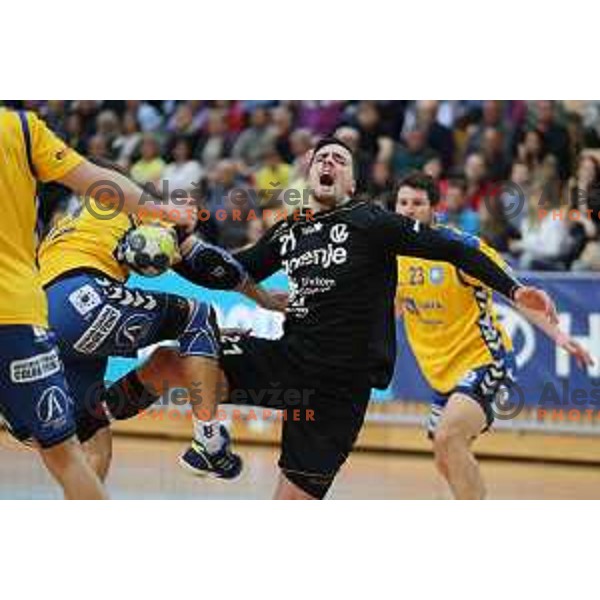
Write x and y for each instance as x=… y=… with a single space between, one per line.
x=223 y=464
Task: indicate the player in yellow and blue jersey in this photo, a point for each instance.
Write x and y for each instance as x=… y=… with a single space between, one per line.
x=35 y=401
x=95 y=315
x=464 y=353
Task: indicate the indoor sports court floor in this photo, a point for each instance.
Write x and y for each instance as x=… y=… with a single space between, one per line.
x=147 y=469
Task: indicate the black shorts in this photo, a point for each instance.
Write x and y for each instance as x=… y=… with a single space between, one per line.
x=320 y=424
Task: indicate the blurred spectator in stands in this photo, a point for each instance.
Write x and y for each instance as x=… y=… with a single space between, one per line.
x=380 y=189
x=149 y=168
x=301 y=141
x=514 y=197
x=87 y=111
x=254 y=141
x=281 y=118
x=434 y=168
x=223 y=178
x=545 y=240
x=456 y=211
x=576 y=133
x=237 y=206
x=438 y=137
x=200 y=111
x=492 y=150
x=531 y=150
x=591 y=123
x=215 y=144
x=492 y=116
x=320 y=116
x=74 y=133
x=372 y=140
x=182 y=124
x=362 y=164
x=547 y=177
x=556 y=138
x=54 y=114
x=392 y=114
x=127 y=144
x=495 y=228
x=584 y=195
x=147 y=115
x=97 y=147
x=233 y=112
x=273 y=177
x=109 y=126
x=585 y=186
x=478 y=187
x=183 y=172
x=412 y=155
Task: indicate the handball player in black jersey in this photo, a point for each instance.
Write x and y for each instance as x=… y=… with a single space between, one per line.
x=339 y=332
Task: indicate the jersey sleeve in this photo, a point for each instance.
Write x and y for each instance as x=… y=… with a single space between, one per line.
x=262 y=259
x=210 y=266
x=399 y=235
x=51 y=157
x=493 y=256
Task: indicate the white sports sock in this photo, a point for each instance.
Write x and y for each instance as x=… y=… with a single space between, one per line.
x=209 y=433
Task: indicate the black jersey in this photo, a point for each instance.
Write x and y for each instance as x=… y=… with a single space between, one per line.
x=341 y=263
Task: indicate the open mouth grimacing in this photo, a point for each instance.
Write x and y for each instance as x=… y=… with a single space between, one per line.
x=326 y=179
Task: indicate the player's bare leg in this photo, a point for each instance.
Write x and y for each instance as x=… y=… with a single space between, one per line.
x=69 y=466
x=462 y=421
x=98 y=451
x=286 y=490
x=167 y=370
x=209 y=452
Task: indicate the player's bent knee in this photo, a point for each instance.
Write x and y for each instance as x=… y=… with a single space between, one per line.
x=61 y=456
x=164 y=365
x=448 y=438
x=98 y=451
x=441 y=462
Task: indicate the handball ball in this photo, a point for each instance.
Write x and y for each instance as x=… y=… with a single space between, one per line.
x=149 y=250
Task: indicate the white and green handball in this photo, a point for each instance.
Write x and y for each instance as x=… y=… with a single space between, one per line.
x=149 y=249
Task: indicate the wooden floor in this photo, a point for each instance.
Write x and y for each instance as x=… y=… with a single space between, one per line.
x=147 y=469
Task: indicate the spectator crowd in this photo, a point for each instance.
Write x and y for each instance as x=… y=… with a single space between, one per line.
x=524 y=175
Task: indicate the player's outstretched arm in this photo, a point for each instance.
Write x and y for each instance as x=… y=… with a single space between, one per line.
x=114 y=189
x=212 y=267
x=401 y=235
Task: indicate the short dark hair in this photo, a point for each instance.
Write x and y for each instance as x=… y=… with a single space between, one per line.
x=458 y=182
x=421 y=181
x=333 y=141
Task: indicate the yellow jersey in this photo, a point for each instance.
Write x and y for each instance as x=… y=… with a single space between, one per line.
x=449 y=318
x=85 y=241
x=29 y=152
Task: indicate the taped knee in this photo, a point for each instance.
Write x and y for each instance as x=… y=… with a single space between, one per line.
x=201 y=334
